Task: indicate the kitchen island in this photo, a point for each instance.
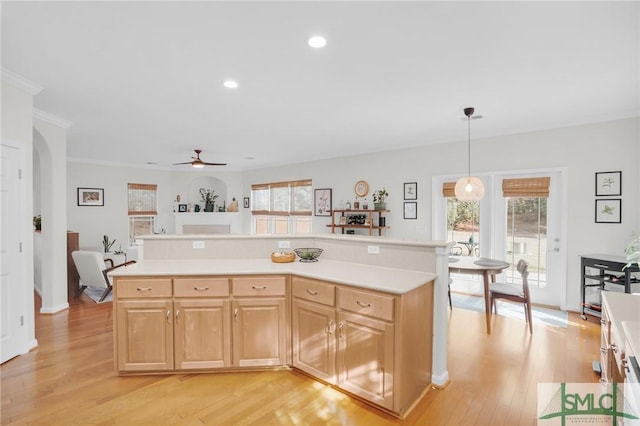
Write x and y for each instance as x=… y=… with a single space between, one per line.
x=367 y=329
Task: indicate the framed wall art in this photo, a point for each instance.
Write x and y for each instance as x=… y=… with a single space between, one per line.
x=322 y=202
x=182 y=208
x=246 y=202
x=609 y=211
x=411 y=191
x=608 y=183
x=90 y=196
x=411 y=210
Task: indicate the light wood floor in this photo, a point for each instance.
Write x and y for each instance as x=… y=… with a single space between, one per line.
x=69 y=379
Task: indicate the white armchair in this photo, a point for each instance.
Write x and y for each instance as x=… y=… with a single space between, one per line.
x=93 y=271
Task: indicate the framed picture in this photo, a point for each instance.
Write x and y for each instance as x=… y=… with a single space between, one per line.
x=90 y=197
x=182 y=208
x=411 y=210
x=608 y=183
x=609 y=211
x=246 y=202
x=411 y=191
x=322 y=202
x=343 y=220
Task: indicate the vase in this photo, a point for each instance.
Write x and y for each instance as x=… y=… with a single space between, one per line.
x=208 y=207
x=380 y=206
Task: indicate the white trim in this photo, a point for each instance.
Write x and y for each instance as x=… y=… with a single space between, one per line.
x=54 y=309
x=51 y=119
x=20 y=82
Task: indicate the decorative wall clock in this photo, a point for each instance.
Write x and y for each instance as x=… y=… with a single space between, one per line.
x=362 y=188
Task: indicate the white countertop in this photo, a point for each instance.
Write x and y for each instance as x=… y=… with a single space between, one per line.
x=624 y=312
x=391 y=280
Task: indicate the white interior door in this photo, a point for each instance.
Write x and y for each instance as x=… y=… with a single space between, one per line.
x=11 y=275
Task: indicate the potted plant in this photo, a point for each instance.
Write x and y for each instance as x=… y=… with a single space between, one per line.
x=378 y=199
x=208 y=198
x=107 y=243
x=37 y=222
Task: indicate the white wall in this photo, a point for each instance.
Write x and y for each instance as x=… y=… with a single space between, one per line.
x=582 y=150
x=95 y=221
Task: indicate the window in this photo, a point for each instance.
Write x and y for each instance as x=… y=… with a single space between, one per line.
x=463 y=223
x=142 y=209
x=282 y=207
x=526 y=206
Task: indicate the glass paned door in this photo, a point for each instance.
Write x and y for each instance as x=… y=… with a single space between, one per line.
x=463 y=227
x=527 y=238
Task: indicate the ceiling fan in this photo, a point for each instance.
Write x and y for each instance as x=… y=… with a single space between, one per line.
x=197 y=162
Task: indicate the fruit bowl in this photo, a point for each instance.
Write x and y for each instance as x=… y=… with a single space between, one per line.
x=308 y=254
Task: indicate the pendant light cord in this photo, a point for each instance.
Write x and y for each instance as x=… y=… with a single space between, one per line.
x=469 y=145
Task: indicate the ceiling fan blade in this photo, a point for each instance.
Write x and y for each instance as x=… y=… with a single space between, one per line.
x=177 y=164
x=215 y=164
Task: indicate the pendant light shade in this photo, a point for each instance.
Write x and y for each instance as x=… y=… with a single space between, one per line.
x=469 y=188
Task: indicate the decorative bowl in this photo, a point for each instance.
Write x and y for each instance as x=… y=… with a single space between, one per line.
x=308 y=254
x=282 y=257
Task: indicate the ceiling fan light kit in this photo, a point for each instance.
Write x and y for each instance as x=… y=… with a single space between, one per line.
x=197 y=163
x=469 y=188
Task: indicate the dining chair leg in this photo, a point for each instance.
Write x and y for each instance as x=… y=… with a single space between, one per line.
x=529 y=319
x=449 y=292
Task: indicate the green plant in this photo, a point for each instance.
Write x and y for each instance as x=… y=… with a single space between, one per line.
x=37 y=222
x=207 y=195
x=633 y=252
x=379 y=195
x=119 y=251
x=107 y=243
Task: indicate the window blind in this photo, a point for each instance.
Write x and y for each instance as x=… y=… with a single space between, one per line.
x=282 y=198
x=142 y=199
x=449 y=189
x=526 y=187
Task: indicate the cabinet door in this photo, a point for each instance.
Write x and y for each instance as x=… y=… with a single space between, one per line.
x=259 y=332
x=202 y=333
x=314 y=342
x=144 y=335
x=365 y=357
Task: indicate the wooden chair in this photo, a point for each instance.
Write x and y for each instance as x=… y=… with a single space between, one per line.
x=93 y=271
x=513 y=292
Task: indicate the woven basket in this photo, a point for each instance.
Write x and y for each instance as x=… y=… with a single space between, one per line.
x=283 y=257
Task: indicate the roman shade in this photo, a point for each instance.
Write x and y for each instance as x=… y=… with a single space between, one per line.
x=142 y=199
x=288 y=198
x=526 y=187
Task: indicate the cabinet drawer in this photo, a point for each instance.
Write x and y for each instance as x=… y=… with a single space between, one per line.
x=313 y=290
x=143 y=288
x=603 y=264
x=258 y=286
x=366 y=303
x=200 y=287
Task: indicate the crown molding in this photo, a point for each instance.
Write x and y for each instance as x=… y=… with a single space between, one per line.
x=51 y=119
x=20 y=82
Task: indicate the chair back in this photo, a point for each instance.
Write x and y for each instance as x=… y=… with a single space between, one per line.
x=90 y=265
x=523 y=268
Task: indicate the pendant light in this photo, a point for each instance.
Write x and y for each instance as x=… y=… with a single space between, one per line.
x=469 y=188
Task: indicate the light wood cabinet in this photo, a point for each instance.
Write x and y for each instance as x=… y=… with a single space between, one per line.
x=202 y=334
x=259 y=321
x=372 y=344
x=202 y=323
x=144 y=335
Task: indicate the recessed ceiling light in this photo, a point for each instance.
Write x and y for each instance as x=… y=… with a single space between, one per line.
x=317 y=42
x=230 y=84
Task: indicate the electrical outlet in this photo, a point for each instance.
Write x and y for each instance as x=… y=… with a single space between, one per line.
x=373 y=249
x=198 y=244
x=284 y=244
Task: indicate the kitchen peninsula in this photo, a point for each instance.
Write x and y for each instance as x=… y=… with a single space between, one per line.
x=368 y=303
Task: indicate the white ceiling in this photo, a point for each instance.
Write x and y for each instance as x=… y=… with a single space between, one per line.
x=141 y=82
